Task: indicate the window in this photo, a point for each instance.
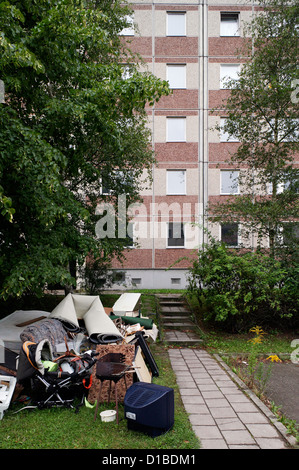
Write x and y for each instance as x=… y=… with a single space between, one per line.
x=175 y=281
x=176 y=76
x=289 y=182
x=137 y=281
x=176 y=182
x=130 y=235
x=290 y=233
x=118 y=276
x=229 y=183
x=287 y=130
x=129 y=30
x=229 y=234
x=176 y=24
x=229 y=24
x=117 y=181
x=224 y=135
x=176 y=236
x=127 y=72
x=176 y=129
x=228 y=72
x=106 y=186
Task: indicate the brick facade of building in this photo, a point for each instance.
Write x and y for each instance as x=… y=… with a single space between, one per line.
x=190 y=44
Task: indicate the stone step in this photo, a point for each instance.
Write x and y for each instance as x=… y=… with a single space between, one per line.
x=168 y=296
x=176 y=321
x=172 y=316
x=183 y=325
x=177 y=309
x=176 y=318
x=182 y=338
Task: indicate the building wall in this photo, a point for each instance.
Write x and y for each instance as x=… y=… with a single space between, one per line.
x=201 y=154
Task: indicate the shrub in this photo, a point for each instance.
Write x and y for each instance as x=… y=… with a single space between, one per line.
x=242 y=289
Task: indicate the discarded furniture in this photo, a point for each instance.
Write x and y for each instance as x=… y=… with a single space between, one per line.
x=127 y=305
x=12 y=326
x=149 y=359
x=7 y=387
x=111 y=367
x=128 y=350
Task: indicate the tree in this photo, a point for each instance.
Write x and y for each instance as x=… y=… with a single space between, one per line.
x=70 y=119
x=262 y=114
x=239 y=290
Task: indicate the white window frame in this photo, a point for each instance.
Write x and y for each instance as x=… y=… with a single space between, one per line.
x=176 y=75
x=238 y=235
x=232 y=74
x=182 y=186
x=177 y=134
x=168 y=238
x=224 y=136
x=233 y=187
x=130 y=29
x=171 y=30
x=234 y=29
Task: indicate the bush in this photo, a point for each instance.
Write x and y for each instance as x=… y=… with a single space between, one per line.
x=240 y=290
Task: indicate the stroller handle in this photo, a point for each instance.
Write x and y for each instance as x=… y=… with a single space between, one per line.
x=91 y=358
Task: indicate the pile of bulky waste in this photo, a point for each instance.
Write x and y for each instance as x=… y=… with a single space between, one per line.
x=81 y=353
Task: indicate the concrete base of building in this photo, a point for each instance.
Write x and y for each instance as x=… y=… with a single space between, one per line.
x=150 y=279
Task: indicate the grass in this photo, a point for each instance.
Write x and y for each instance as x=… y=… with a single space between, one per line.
x=227 y=344
x=221 y=342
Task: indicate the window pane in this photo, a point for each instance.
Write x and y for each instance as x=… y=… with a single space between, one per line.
x=176 y=130
x=225 y=136
x=228 y=72
x=129 y=30
x=290 y=233
x=229 y=182
x=176 y=24
x=176 y=234
x=176 y=182
x=229 y=24
x=176 y=75
x=229 y=234
x=130 y=235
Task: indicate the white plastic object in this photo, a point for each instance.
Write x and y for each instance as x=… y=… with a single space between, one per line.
x=108 y=415
x=7 y=387
x=126 y=304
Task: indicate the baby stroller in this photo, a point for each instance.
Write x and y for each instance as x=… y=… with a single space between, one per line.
x=54 y=382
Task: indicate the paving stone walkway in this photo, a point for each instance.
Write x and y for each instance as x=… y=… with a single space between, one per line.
x=221 y=414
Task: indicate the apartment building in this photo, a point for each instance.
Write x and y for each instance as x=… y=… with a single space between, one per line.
x=193 y=45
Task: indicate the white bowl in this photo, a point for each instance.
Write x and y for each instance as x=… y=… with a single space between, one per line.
x=108 y=415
